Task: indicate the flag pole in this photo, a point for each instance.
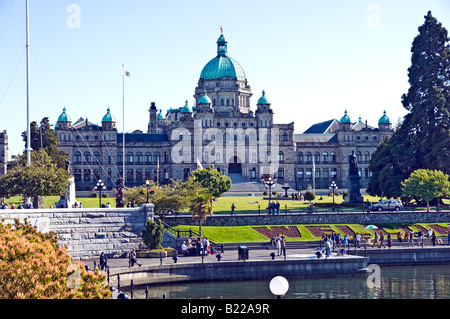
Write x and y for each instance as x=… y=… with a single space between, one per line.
x=123 y=124
x=28 y=150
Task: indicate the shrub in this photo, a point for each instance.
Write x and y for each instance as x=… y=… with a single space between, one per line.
x=34 y=266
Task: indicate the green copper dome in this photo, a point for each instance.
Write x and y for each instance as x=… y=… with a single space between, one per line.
x=160 y=116
x=263 y=99
x=108 y=117
x=222 y=65
x=384 y=119
x=345 y=118
x=186 y=108
x=64 y=117
x=204 y=99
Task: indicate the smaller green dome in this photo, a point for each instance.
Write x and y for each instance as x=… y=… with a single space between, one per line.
x=384 y=119
x=204 y=99
x=186 y=108
x=64 y=117
x=108 y=117
x=263 y=99
x=345 y=118
x=160 y=116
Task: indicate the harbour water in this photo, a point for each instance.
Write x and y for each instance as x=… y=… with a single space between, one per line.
x=399 y=282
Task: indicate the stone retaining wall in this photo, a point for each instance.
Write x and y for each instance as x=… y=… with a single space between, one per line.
x=315 y=218
x=245 y=270
x=89 y=231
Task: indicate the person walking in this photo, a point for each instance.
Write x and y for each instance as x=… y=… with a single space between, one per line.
x=433 y=238
x=411 y=239
x=277 y=208
x=103 y=261
x=389 y=240
x=233 y=210
x=283 y=245
x=382 y=240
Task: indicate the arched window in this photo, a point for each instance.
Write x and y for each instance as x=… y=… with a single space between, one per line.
x=281 y=172
x=299 y=157
x=148 y=157
x=156 y=157
x=333 y=157
x=130 y=158
x=285 y=136
x=87 y=157
x=280 y=156
x=366 y=157
x=325 y=157
x=317 y=157
x=138 y=157
x=77 y=157
x=308 y=157
x=97 y=156
x=359 y=157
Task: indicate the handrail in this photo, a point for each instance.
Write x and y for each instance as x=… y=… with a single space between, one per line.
x=190 y=231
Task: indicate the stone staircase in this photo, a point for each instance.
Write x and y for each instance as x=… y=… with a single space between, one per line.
x=242 y=187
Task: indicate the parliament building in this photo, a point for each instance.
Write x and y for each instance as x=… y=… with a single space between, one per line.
x=222 y=130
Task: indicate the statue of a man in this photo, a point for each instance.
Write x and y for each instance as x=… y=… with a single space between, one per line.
x=353 y=163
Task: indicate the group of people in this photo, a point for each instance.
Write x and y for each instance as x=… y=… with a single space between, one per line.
x=196 y=247
x=273 y=208
x=20 y=206
x=279 y=241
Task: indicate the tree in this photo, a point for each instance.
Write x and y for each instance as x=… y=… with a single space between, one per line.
x=423 y=138
x=201 y=207
x=427 y=185
x=43 y=137
x=153 y=233
x=34 y=266
x=310 y=196
x=41 y=178
x=166 y=199
x=210 y=178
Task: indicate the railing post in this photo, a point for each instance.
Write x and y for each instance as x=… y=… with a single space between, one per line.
x=132 y=288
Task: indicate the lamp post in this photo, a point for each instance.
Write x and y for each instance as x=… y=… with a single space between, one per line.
x=333 y=188
x=269 y=184
x=279 y=286
x=100 y=186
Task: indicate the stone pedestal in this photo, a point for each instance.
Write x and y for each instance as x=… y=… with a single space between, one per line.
x=69 y=199
x=354 y=195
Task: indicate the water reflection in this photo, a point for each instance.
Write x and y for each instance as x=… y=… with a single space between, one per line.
x=421 y=282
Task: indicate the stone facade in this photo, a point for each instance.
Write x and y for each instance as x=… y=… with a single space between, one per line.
x=220 y=129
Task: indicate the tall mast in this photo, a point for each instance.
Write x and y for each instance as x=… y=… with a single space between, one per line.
x=28 y=149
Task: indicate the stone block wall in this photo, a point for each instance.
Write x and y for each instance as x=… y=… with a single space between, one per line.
x=89 y=231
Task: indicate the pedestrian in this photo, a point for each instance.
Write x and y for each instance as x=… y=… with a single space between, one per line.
x=389 y=241
x=103 y=261
x=358 y=239
x=433 y=238
x=278 y=243
x=345 y=241
x=399 y=237
x=233 y=209
x=375 y=241
x=283 y=245
x=277 y=207
x=133 y=258
x=382 y=240
x=411 y=239
x=328 y=249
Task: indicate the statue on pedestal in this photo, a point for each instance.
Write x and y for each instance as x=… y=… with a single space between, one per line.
x=120 y=201
x=353 y=175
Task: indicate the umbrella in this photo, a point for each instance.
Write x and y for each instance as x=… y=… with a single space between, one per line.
x=371 y=227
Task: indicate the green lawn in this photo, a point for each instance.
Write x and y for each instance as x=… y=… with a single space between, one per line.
x=51 y=200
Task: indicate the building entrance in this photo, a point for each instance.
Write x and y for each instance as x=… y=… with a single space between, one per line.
x=235 y=167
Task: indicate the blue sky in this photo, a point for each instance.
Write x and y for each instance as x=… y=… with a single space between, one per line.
x=314 y=59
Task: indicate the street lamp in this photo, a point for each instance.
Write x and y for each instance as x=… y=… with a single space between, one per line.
x=99 y=188
x=269 y=184
x=279 y=286
x=333 y=188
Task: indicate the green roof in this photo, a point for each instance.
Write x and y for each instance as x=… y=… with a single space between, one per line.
x=186 y=108
x=160 y=116
x=64 y=117
x=204 y=99
x=345 y=118
x=222 y=65
x=384 y=119
x=263 y=99
x=108 y=117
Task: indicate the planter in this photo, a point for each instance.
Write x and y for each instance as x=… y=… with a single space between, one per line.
x=157 y=254
x=141 y=253
x=172 y=253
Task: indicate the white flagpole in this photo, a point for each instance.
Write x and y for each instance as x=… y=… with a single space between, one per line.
x=28 y=86
x=123 y=124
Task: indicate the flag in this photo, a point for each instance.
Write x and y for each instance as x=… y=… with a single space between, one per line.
x=126 y=73
x=199 y=165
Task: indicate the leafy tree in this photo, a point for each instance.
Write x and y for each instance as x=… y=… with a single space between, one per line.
x=427 y=184
x=310 y=196
x=42 y=136
x=153 y=233
x=210 y=178
x=423 y=138
x=201 y=207
x=34 y=266
x=41 y=178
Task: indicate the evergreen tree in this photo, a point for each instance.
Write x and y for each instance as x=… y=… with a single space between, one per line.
x=423 y=138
